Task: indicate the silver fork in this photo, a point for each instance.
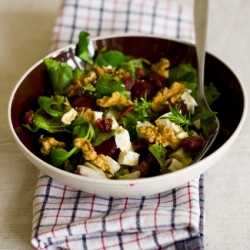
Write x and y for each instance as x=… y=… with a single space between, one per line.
x=200 y=23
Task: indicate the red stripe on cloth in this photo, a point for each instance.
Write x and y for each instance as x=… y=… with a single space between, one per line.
x=90 y=213
x=155 y=214
x=59 y=209
x=67 y=242
x=102 y=237
x=141 y=15
x=68 y=189
x=138 y=240
x=190 y=205
x=88 y=16
x=166 y=21
x=60 y=25
x=172 y=234
x=120 y=219
x=114 y=18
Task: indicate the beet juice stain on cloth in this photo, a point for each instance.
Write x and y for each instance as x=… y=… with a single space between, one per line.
x=65 y=218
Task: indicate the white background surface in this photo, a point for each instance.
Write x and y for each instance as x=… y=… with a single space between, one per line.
x=25 y=31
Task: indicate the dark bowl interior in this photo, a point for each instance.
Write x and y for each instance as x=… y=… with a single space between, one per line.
x=230 y=101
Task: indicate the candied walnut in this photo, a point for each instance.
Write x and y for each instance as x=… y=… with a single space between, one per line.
x=116 y=99
x=162 y=67
x=101 y=162
x=166 y=137
x=90 y=154
x=87 y=149
x=165 y=95
x=48 y=143
x=85 y=112
x=121 y=73
x=103 y=70
x=148 y=132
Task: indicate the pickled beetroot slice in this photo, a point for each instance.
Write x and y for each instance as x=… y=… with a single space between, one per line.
x=143 y=89
x=108 y=148
x=155 y=79
x=84 y=101
x=192 y=144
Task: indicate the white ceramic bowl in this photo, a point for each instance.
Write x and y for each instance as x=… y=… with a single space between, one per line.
x=233 y=100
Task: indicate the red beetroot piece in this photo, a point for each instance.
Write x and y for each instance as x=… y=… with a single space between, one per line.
x=140 y=73
x=140 y=144
x=143 y=89
x=156 y=80
x=128 y=82
x=84 y=101
x=191 y=144
x=148 y=167
x=108 y=148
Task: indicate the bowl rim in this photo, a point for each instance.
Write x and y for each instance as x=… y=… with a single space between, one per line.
x=175 y=174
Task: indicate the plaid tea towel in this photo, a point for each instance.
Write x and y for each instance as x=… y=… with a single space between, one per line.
x=65 y=218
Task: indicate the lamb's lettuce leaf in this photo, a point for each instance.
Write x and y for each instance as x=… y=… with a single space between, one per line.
x=60 y=74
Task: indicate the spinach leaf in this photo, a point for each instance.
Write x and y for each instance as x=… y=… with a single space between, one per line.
x=59 y=156
x=110 y=58
x=101 y=137
x=211 y=93
x=60 y=74
x=82 y=49
x=51 y=125
x=107 y=84
x=54 y=106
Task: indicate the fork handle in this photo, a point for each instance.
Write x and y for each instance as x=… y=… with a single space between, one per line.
x=200 y=25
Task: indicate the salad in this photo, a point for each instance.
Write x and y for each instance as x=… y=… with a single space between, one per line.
x=119 y=117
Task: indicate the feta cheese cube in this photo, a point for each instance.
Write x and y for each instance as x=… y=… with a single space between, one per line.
x=128 y=158
x=113 y=165
x=70 y=116
x=189 y=101
x=96 y=115
x=122 y=139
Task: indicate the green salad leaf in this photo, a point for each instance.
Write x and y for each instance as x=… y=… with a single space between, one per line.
x=51 y=125
x=110 y=58
x=211 y=93
x=82 y=49
x=60 y=74
x=132 y=64
x=101 y=137
x=160 y=153
x=59 y=156
x=107 y=84
x=55 y=106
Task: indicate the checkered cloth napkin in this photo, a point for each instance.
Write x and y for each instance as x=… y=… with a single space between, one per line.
x=65 y=218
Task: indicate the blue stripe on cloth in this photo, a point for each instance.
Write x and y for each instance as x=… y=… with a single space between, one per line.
x=107 y=213
x=173 y=209
x=179 y=20
x=138 y=226
x=46 y=197
x=99 y=29
x=128 y=12
x=153 y=17
x=119 y=235
x=74 y=210
x=73 y=27
x=84 y=242
x=195 y=243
